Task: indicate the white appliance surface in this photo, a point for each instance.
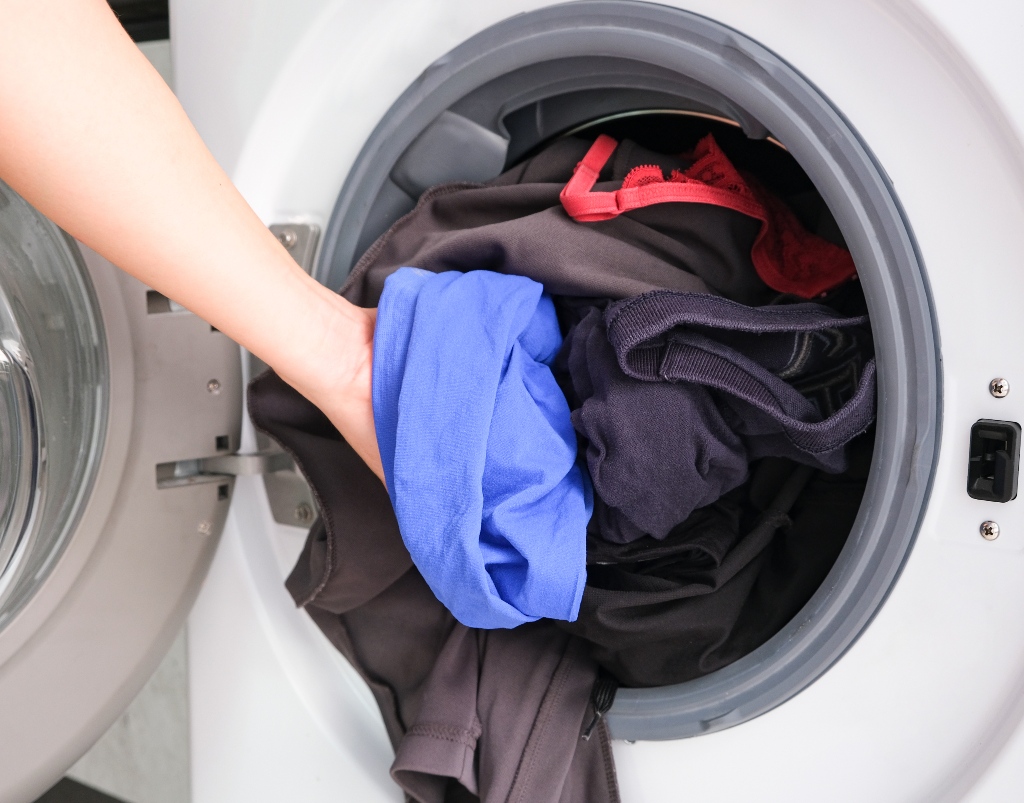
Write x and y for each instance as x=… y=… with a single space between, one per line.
x=928 y=703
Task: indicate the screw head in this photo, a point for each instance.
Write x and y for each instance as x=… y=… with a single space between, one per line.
x=304 y=513
x=989 y=530
x=204 y=528
x=213 y=386
x=999 y=388
x=288 y=238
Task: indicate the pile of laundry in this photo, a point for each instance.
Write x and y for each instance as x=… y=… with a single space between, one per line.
x=621 y=446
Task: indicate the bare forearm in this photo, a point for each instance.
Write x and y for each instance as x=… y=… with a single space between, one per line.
x=93 y=138
x=96 y=141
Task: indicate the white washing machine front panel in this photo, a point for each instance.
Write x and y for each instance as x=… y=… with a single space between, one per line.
x=931 y=696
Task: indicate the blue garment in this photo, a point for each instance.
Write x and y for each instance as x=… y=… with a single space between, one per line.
x=478 y=447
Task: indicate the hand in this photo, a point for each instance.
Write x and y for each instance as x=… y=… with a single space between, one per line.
x=335 y=373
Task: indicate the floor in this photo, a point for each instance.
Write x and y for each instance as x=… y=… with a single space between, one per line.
x=144 y=757
x=68 y=791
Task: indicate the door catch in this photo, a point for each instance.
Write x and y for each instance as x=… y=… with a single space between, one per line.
x=994 y=461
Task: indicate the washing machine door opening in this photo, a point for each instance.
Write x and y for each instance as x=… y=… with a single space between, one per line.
x=663 y=78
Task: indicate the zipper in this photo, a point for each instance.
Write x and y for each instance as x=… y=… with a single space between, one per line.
x=601 y=698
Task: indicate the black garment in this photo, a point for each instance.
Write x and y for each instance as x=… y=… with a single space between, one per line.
x=658 y=613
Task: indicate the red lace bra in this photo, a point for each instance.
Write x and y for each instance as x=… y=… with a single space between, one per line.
x=786 y=256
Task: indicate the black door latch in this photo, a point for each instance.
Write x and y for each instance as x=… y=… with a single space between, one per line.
x=994 y=461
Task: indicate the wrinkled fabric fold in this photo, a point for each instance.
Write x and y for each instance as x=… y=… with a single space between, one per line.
x=478 y=449
x=678 y=337
x=531 y=687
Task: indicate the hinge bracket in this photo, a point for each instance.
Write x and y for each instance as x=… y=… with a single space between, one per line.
x=220 y=467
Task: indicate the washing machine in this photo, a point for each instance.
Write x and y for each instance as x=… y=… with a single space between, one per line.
x=138 y=491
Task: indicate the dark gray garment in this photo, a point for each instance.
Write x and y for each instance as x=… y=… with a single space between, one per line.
x=517 y=225
x=531 y=686
x=489 y=714
x=672 y=416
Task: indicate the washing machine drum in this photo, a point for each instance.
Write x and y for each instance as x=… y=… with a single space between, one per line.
x=661 y=78
x=710 y=587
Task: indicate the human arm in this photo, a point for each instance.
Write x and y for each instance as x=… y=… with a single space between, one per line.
x=92 y=137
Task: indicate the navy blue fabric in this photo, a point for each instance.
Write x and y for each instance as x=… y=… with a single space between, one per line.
x=664 y=337
x=478 y=448
x=655 y=452
x=676 y=393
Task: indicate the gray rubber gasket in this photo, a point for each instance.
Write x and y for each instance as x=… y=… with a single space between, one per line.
x=864 y=204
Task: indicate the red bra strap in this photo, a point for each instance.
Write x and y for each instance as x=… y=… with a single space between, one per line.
x=786 y=256
x=589 y=207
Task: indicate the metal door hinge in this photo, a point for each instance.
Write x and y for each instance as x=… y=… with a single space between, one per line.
x=246 y=465
x=220 y=467
x=300 y=241
x=291 y=500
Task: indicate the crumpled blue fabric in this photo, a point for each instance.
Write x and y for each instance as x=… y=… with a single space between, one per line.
x=479 y=452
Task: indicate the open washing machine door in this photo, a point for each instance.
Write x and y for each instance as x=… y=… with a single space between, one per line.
x=115 y=408
x=899 y=680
